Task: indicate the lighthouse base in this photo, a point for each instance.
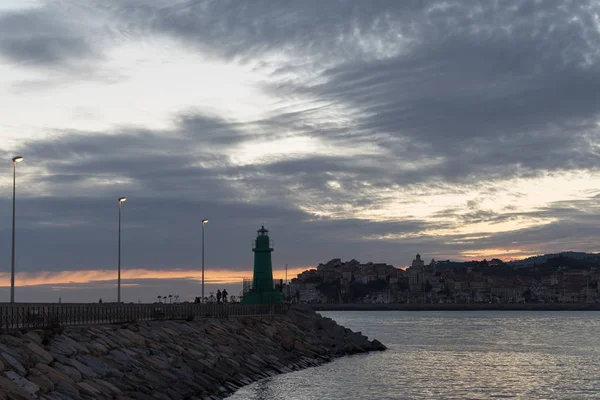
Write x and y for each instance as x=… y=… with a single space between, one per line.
x=254 y=297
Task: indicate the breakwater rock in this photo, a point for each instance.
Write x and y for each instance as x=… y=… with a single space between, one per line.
x=202 y=359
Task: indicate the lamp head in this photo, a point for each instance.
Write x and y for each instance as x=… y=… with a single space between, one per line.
x=17 y=159
x=122 y=199
x=204 y=221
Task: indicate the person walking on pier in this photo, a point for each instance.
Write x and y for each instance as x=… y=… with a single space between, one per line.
x=224 y=293
x=218 y=296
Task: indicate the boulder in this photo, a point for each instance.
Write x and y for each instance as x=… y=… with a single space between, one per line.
x=45 y=384
x=377 y=345
x=13 y=391
x=171 y=359
x=287 y=341
x=133 y=337
x=32 y=337
x=23 y=383
x=298 y=345
x=85 y=371
x=13 y=363
x=62 y=347
x=88 y=389
x=69 y=371
x=109 y=387
x=42 y=355
x=99 y=367
x=67 y=389
x=54 y=375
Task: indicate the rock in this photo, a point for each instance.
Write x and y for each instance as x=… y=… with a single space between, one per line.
x=132 y=337
x=100 y=368
x=60 y=347
x=287 y=341
x=377 y=345
x=13 y=363
x=270 y=332
x=88 y=389
x=33 y=337
x=298 y=345
x=13 y=391
x=69 y=371
x=85 y=371
x=67 y=389
x=208 y=358
x=15 y=351
x=109 y=387
x=139 y=396
x=54 y=375
x=23 y=383
x=45 y=384
x=99 y=348
x=42 y=355
x=79 y=348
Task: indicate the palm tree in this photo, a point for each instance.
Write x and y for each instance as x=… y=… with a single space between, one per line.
x=159 y=297
x=170 y=299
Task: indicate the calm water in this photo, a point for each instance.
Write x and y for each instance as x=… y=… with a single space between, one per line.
x=455 y=355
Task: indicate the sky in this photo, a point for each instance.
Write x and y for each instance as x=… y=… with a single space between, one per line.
x=349 y=129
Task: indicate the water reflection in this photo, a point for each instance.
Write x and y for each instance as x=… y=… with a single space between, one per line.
x=455 y=355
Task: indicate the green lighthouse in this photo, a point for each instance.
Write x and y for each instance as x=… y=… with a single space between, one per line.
x=263 y=291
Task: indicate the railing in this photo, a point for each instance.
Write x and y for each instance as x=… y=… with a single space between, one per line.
x=38 y=316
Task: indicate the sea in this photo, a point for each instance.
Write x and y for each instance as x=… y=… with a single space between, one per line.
x=454 y=355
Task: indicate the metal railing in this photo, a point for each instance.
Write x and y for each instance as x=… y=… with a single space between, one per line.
x=39 y=316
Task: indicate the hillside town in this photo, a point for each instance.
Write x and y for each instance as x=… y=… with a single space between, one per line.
x=555 y=278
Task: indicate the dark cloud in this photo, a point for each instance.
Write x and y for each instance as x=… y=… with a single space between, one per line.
x=43 y=36
x=245 y=30
x=490 y=90
x=73 y=225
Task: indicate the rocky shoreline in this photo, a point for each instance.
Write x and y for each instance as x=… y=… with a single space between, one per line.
x=202 y=359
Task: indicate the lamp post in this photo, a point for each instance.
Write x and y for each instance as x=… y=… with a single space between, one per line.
x=121 y=201
x=204 y=222
x=15 y=160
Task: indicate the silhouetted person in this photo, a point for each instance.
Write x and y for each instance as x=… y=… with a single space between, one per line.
x=225 y=295
x=218 y=296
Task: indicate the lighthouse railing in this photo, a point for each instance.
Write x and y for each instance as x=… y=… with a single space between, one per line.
x=271 y=244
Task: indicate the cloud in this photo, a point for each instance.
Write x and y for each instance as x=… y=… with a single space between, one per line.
x=384 y=129
x=44 y=36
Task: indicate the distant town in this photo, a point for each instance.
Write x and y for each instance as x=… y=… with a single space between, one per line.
x=568 y=277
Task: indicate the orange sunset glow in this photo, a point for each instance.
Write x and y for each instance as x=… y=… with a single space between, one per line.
x=66 y=277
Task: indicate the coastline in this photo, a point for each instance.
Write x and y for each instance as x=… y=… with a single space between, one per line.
x=459 y=307
x=207 y=358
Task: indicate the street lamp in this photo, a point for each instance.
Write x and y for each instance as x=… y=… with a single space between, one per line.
x=15 y=160
x=121 y=201
x=204 y=222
